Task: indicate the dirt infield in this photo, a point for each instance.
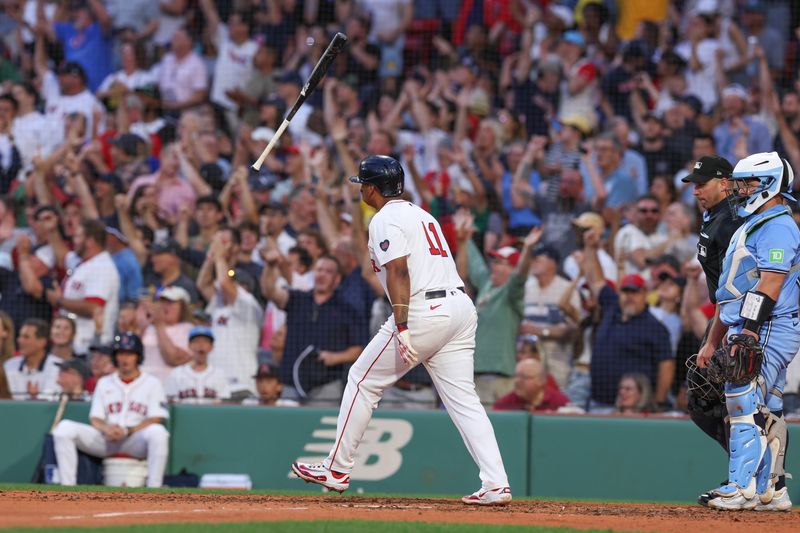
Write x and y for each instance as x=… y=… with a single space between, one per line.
x=54 y=509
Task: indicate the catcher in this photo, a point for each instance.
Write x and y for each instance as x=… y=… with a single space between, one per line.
x=758 y=312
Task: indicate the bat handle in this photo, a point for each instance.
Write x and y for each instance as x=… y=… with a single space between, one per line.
x=270 y=146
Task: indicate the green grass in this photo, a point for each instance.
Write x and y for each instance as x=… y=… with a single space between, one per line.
x=344 y=526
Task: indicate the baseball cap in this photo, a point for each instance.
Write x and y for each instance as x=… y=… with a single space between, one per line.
x=589 y=220
x=173 y=293
x=169 y=246
x=579 y=122
x=548 y=250
x=509 y=253
x=573 y=37
x=115 y=232
x=267 y=370
x=734 y=89
x=72 y=67
x=693 y=102
x=262 y=134
x=755 y=6
x=632 y=282
x=201 y=331
x=128 y=143
x=562 y=13
x=104 y=349
x=77 y=365
x=291 y=150
x=272 y=205
x=707 y=168
x=262 y=182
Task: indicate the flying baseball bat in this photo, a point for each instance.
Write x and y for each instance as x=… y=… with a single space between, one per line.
x=335 y=46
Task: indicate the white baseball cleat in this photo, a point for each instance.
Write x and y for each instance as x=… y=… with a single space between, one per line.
x=780 y=502
x=498 y=496
x=317 y=473
x=730 y=498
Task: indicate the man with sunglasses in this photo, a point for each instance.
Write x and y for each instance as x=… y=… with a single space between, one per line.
x=628 y=338
x=640 y=240
x=757 y=319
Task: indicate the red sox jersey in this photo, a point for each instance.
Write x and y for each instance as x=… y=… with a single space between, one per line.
x=94 y=280
x=185 y=385
x=128 y=404
x=401 y=229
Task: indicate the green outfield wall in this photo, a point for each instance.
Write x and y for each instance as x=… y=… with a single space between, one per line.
x=420 y=452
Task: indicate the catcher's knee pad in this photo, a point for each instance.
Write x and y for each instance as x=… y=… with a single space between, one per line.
x=748 y=440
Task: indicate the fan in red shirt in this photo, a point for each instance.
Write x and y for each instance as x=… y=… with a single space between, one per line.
x=532 y=390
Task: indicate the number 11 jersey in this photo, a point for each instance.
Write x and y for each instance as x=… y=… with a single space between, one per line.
x=401 y=229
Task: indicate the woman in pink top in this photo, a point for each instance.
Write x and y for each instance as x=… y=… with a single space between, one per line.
x=166 y=334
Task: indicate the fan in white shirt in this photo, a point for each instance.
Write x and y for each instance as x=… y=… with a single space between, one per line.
x=129 y=78
x=235 y=52
x=33 y=374
x=197 y=381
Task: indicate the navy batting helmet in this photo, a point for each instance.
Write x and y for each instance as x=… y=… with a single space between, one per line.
x=383 y=172
x=127 y=342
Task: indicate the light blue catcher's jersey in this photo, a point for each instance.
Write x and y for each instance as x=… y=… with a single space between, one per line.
x=766 y=242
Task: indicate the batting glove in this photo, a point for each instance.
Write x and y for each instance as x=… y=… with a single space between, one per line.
x=407 y=352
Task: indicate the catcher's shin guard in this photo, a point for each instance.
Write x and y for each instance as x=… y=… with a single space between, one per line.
x=748 y=440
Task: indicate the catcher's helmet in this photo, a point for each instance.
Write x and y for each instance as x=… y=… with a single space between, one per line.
x=127 y=342
x=383 y=172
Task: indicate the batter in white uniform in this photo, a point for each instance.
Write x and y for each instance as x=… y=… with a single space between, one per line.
x=127 y=409
x=433 y=323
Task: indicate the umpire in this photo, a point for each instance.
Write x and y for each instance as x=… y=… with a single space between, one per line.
x=710 y=179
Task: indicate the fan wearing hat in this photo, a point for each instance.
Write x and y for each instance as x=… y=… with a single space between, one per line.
x=737 y=124
x=167 y=269
x=500 y=284
x=628 y=339
x=166 y=336
x=545 y=291
x=268 y=386
x=234 y=309
x=72 y=378
x=589 y=221
x=197 y=382
x=66 y=93
x=581 y=76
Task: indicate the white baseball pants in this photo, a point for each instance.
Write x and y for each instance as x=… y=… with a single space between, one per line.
x=151 y=442
x=443 y=333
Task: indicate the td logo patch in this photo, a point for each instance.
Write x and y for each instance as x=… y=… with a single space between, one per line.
x=385 y=246
x=776 y=255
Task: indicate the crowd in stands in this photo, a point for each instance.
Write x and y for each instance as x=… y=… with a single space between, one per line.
x=548 y=137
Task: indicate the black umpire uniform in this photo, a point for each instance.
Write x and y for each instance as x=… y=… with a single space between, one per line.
x=718 y=227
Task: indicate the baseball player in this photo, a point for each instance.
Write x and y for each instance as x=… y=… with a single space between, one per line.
x=758 y=312
x=126 y=413
x=197 y=381
x=433 y=323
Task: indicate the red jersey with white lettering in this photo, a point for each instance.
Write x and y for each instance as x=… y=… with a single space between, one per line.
x=186 y=385
x=128 y=404
x=401 y=229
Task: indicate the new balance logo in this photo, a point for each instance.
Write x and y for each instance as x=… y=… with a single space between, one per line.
x=379 y=454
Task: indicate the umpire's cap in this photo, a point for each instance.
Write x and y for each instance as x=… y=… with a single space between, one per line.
x=127 y=342
x=383 y=172
x=708 y=168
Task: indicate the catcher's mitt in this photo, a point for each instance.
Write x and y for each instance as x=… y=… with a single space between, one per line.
x=738 y=362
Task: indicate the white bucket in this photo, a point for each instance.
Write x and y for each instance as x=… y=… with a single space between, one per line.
x=124 y=472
